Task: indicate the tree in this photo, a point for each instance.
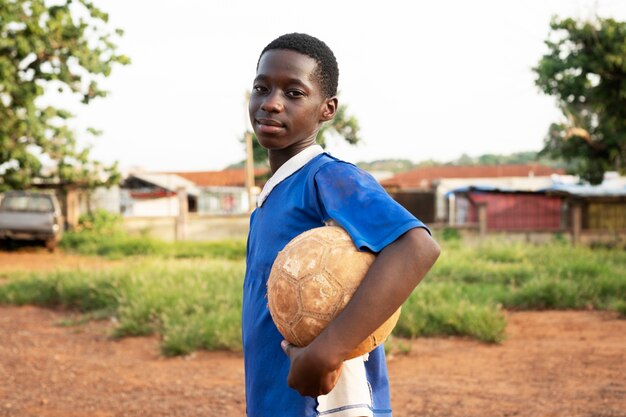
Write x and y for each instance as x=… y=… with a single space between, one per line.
x=44 y=47
x=342 y=124
x=585 y=70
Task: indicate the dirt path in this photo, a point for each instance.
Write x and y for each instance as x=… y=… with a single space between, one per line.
x=553 y=364
x=569 y=364
x=566 y=364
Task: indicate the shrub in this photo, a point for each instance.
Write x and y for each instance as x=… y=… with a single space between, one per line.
x=450 y=234
x=101 y=222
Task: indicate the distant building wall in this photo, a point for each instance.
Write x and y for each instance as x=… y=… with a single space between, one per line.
x=101 y=198
x=149 y=207
x=605 y=216
x=421 y=204
x=198 y=227
x=223 y=200
x=588 y=219
x=444 y=186
x=513 y=211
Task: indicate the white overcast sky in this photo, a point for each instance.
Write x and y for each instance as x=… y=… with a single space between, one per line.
x=430 y=79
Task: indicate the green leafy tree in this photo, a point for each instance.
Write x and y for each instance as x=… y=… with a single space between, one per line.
x=49 y=47
x=585 y=70
x=343 y=124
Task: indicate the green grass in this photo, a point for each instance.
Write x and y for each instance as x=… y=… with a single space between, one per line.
x=122 y=245
x=444 y=309
x=190 y=293
x=192 y=304
x=523 y=276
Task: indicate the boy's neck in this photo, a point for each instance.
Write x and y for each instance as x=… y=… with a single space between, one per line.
x=278 y=157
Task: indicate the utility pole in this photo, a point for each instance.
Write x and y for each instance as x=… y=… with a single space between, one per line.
x=183 y=210
x=249 y=171
x=249 y=158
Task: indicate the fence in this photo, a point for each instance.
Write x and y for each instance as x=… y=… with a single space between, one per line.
x=511 y=211
x=604 y=215
x=585 y=219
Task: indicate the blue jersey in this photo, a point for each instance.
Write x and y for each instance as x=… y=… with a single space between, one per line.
x=323 y=189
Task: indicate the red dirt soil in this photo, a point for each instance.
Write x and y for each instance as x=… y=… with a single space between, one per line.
x=566 y=364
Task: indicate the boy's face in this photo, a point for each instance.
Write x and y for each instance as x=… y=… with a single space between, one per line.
x=287 y=106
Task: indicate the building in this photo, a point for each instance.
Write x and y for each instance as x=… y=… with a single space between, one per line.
x=224 y=192
x=425 y=191
x=586 y=212
x=595 y=209
x=155 y=195
x=509 y=210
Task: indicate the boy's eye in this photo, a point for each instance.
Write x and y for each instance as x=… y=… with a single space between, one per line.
x=294 y=93
x=259 y=89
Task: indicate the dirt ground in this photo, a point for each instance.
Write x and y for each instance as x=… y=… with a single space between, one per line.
x=552 y=364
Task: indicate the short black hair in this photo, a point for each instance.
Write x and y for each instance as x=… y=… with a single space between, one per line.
x=327 y=71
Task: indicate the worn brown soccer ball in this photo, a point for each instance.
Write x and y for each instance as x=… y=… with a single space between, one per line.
x=312 y=280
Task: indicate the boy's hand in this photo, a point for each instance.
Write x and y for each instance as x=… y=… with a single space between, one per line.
x=310 y=374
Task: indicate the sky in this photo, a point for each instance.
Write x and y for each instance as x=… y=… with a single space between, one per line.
x=426 y=80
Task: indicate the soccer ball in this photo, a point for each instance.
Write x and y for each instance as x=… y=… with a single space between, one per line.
x=312 y=280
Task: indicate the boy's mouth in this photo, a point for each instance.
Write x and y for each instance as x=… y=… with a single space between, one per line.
x=269 y=125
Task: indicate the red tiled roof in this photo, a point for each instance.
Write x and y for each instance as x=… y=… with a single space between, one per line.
x=225 y=178
x=423 y=177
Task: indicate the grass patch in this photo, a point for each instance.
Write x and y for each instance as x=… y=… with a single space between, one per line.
x=102 y=234
x=72 y=290
x=192 y=304
x=524 y=276
x=444 y=309
x=190 y=293
x=122 y=245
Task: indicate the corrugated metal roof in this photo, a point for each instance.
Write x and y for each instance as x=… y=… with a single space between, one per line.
x=586 y=190
x=612 y=187
x=424 y=177
x=170 y=182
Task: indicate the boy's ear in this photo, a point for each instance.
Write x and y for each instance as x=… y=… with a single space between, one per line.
x=329 y=109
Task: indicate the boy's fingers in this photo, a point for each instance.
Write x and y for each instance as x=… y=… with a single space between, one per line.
x=286 y=346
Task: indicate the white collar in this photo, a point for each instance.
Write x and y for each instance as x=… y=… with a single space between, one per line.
x=292 y=165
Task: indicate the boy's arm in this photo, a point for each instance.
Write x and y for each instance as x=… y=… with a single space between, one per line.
x=397 y=270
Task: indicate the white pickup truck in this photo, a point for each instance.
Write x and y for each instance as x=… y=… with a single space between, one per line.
x=29 y=215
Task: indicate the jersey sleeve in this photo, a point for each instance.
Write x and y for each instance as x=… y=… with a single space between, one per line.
x=357 y=202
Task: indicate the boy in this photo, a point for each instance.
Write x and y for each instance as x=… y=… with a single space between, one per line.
x=294 y=92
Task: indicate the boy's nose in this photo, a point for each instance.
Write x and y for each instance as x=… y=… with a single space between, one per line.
x=272 y=104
